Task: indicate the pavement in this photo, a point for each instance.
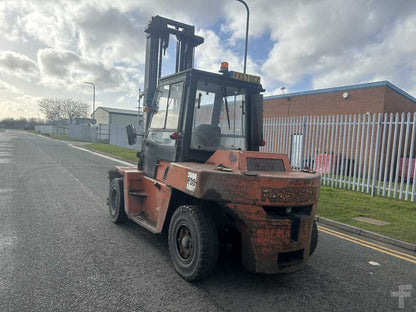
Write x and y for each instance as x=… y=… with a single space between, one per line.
x=59 y=251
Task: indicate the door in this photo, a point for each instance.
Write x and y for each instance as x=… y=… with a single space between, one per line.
x=159 y=145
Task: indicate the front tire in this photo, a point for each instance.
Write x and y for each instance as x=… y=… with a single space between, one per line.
x=116 y=201
x=314 y=238
x=193 y=243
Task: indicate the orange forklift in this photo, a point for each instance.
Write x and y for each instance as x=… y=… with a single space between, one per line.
x=200 y=175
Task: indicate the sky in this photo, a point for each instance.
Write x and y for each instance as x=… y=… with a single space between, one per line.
x=49 y=48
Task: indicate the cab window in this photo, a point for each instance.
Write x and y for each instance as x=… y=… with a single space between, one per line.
x=219 y=119
x=165 y=120
x=168 y=101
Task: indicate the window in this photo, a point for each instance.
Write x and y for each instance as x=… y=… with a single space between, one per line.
x=166 y=119
x=169 y=102
x=234 y=125
x=219 y=117
x=203 y=107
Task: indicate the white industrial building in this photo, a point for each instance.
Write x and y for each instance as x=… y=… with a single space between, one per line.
x=115 y=116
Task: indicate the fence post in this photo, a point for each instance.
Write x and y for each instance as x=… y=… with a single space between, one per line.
x=382 y=164
x=304 y=133
x=389 y=138
x=399 y=149
x=376 y=162
x=409 y=167
x=367 y=136
x=393 y=156
x=406 y=140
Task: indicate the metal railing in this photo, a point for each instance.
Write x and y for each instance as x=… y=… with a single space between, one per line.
x=369 y=153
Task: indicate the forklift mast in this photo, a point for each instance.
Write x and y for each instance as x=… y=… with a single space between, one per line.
x=157 y=41
x=158 y=33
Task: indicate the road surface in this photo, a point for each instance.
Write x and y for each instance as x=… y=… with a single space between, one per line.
x=59 y=251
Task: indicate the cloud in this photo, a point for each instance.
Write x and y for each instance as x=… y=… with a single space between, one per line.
x=310 y=44
x=69 y=70
x=8 y=88
x=10 y=20
x=18 y=106
x=213 y=51
x=338 y=42
x=18 y=65
x=109 y=30
x=110 y=42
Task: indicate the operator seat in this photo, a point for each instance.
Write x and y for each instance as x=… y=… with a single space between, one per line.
x=206 y=135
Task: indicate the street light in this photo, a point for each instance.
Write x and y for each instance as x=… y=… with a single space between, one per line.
x=93 y=110
x=248 y=18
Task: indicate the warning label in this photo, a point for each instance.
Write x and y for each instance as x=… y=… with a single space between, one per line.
x=191 y=182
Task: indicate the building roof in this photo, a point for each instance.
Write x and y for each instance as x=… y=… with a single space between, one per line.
x=346 y=88
x=111 y=110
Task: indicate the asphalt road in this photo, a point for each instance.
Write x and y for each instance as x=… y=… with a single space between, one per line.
x=60 y=252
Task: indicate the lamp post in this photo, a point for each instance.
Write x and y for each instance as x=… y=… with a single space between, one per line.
x=93 y=110
x=248 y=18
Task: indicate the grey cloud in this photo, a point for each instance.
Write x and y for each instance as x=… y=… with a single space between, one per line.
x=17 y=64
x=326 y=42
x=69 y=69
x=6 y=87
x=110 y=35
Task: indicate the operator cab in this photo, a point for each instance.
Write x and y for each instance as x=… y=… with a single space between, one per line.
x=192 y=113
x=197 y=113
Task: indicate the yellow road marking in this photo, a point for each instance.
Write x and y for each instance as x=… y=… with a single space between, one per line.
x=369 y=245
x=367 y=242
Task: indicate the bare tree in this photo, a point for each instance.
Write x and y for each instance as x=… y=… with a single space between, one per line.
x=74 y=109
x=63 y=110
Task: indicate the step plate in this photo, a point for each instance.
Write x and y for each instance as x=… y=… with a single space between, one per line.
x=144 y=222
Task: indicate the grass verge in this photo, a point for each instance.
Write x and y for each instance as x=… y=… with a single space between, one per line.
x=120 y=152
x=343 y=205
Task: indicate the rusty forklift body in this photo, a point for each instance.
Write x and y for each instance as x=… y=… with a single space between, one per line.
x=201 y=175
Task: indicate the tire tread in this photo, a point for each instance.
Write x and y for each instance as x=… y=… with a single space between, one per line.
x=121 y=216
x=209 y=242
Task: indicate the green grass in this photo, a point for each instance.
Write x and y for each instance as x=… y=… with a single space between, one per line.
x=120 y=152
x=343 y=205
x=65 y=138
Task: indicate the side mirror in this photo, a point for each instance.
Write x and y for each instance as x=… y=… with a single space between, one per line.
x=131 y=134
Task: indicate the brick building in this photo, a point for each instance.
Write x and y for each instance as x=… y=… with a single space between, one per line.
x=375 y=97
x=360 y=139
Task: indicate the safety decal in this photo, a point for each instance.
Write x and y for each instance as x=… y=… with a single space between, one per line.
x=191 y=181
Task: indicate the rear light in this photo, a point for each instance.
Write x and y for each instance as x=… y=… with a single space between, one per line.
x=174 y=136
x=263 y=143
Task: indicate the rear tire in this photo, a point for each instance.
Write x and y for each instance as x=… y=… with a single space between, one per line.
x=314 y=238
x=116 y=201
x=193 y=243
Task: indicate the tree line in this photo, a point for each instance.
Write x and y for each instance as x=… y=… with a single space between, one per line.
x=20 y=123
x=58 y=112
x=63 y=111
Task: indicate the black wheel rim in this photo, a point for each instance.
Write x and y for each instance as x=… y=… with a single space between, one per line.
x=184 y=243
